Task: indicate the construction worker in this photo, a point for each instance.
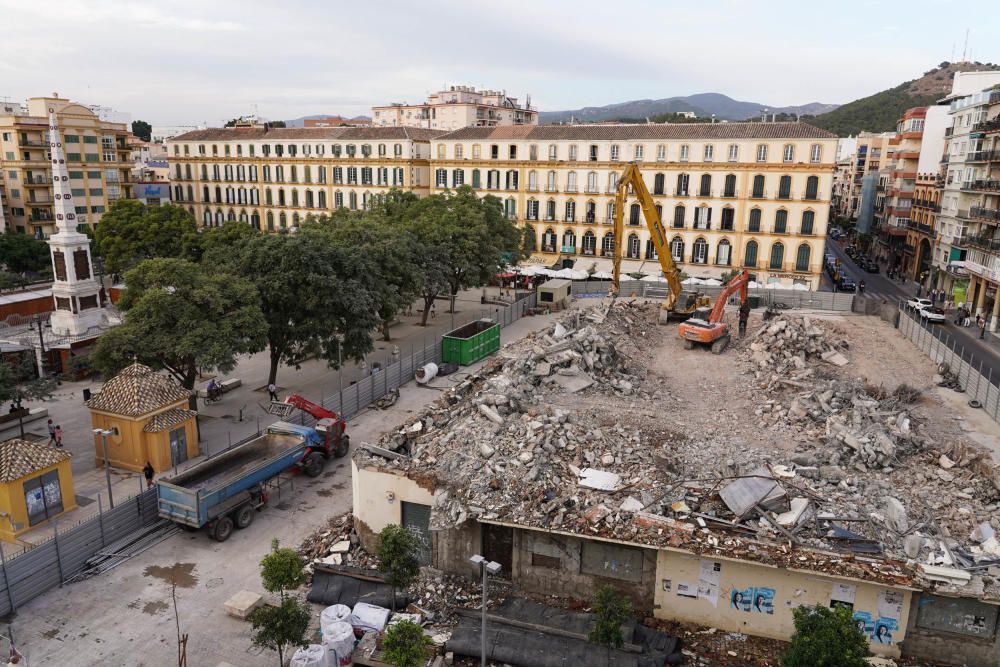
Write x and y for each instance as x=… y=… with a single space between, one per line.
x=744 y=317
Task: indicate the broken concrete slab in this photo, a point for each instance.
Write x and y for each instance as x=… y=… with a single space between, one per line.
x=573 y=383
x=631 y=504
x=792 y=517
x=491 y=414
x=895 y=515
x=834 y=357
x=601 y=480
x=341 y=547
x=742 y=495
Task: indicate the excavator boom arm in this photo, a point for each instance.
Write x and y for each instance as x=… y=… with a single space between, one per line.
x=739 y=283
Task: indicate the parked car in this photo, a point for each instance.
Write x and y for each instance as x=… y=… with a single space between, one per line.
x=919 y=304
x=847 y=285
x=851 y=251
x=871 y=267
x=933 y=314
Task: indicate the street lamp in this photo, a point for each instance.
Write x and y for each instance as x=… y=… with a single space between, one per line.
x=104 y=433
x=487 y=567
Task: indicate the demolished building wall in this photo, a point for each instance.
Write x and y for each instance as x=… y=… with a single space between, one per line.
x=378 y=499
x=758 y=600
x=953 y=629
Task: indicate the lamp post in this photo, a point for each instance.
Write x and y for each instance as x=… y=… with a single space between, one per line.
x=487 y=567
x=104 y=433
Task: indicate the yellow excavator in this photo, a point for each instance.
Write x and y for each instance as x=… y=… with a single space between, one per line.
x=680 y=303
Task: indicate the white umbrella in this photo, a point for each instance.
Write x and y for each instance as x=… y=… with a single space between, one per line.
x=653 y=279
x=692 y=281
x=711 y=282
x=800 y=287
x=753 y=284
x=571 y=274
x=602 y=275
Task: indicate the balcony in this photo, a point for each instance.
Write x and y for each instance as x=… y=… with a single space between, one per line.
x=990 y=125
x=42 y=200
x=41 y=217
x=761 y=194
x=948 y=131
x=730 y=194
x=987 y=243
x=981 y=185
x=983 y=156
x=35 y=180
x=920 y=228
x=35 y=143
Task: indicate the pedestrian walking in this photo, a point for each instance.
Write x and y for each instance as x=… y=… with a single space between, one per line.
x=58 y=435
x=272 y=391
x=52 y=432
x=982 y=329
x=744 y=318
x=147 y=472
x=433 y=313
x=861 y=287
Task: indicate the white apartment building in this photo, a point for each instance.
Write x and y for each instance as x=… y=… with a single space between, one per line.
x=455 y=108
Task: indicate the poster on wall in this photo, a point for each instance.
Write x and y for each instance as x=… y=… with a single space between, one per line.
x=708 y=581
x=686 y=590
x=843 y=594
x=763 y=601
x=890 y=604
x=884 y=629
x=741 y=599
x=865 y=623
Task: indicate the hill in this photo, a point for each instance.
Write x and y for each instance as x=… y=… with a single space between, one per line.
x=879 y=112
x=702 y=104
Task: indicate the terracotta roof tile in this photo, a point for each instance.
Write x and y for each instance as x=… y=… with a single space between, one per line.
x=278 y=134
x=648 y=132
x=137 y=390
x=168 y=419
x=19 y=458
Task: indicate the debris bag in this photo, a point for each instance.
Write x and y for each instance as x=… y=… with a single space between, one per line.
x=337 y=613
x=426 y=373
x=338 y=639
x=313 y=655
x=330 y=588
x=369 y=617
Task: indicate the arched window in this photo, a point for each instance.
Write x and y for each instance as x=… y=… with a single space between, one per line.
x=231 y=216
x=679 y=215
x=591 y=181
x=511 y=179
x=808 y=218
x=571 y=182
x=612 y=182
x=589 y=243
x=633 y=246
x=785 y=187
x=309 y=199
x=218 y=218
x=802 y=258
x=255 y=220
x=651 y=250
x=677 y=249
x=750 y=255
x=590 y=213
x=321 y=199
x=658 y=183
x=812 y=187
x=570 y=211
x=777 y=256
x=244 y=217
x=295 y=216
x=705 y=188
x=608 y=245
x=724 y=253
x=282 y=220
x=758 y=186
x=281 y=196
x=682 y=185
x=754 y=224
x=548 y=240
x=270 y=221
x=207 y=218
x=569 y=240
x=634 y=211
x=699 y=251
x=550 y=184
x=781 y=222
x=729 y=189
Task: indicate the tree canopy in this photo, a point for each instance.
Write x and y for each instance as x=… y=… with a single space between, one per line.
x=19 y=383
x=825 y=637
x=398 y=557
x=181 y=317
x=20 y=253
x=142 y=130
x=131 y=231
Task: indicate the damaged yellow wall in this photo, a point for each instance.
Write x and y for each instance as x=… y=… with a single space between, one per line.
x=758 y=600
x=378 y=498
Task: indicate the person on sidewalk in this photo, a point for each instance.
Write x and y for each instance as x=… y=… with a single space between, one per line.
x=272 y=391
x=861 y=287
x=58 y=435
x=147 y=472
x=52 y=433
x=982 y=328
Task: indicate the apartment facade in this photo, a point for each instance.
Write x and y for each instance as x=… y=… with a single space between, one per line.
x=457 y=107
x=272 y=178
x=731 y=195
x=97 y=154
x=866 y=161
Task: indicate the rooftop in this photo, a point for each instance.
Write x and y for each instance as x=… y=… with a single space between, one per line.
x=260 y=133
x=19 y=458
x=137 y=390
x=647 y=132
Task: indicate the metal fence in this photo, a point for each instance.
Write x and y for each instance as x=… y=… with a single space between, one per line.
x=836 y=301
x=942 y=348
x=65 y=555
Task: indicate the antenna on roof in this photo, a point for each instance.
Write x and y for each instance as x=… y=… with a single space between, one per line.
x=965 y=47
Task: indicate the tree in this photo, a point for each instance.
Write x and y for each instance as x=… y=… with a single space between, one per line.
x=405 y=645
x=825 y=637
x=12 y=281
x=281 y=571
x=611 y=610
x=131 y=231
x=399 y=557
x=317 y=298
x=181 y=317
x=20 y=253
x=19 y=383
x=142 y=130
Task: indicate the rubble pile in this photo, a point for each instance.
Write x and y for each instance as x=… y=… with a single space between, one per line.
x=336 y=544
x=784 y=345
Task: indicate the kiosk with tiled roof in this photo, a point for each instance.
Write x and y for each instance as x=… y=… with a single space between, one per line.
x=36 y=484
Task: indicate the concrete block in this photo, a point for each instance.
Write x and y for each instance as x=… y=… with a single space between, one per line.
x=243 y=603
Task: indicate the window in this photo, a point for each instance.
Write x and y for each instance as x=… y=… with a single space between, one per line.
x=592 y=181
x=703 y=217
x=788 y=154
x=572 y=153
x=571 y=182
x=808 y=219
x=754 y=224
x=699 y=251
x=397 y=150
x=682 y=185
x=677 y=249
x=815 y=153
x=758 y=187
x=476 y=179
x=615 y=151
x=785 y=187
x=553 y=152
x=658 y=180
x=709 y=152
x=589 y=244
x=512 y=152
x=510 y=208
x=632 y=248
x=533 y=152
x=685 y=149
x=494 y=152
x=638 y=156
x=532 y=212
x=761 y=152
x=550 y=210
x=802 y=258
x=366 y=150
x=634 y=212
x=476 y=151
x=651 y=250
x=723 y=254
x=729 y=189
x=548 y=240
x=441 y=150
x=350 y=150
x=550 y=184
x=812 y=187
x=335 y=150
x=608 y=245
x=705 y=190
x=458 y=177
x=777 y=256
x=750 y=255
x=569 y=240
x=728 y=223
x=781 y=222
x=570 y=211
x=612 y=182
x=679 y=216
x=511 y=179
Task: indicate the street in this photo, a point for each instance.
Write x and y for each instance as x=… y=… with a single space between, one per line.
x=984 y=354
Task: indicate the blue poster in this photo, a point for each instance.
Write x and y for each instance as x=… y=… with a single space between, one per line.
x=865 y=623
x=741 y=599
x=763 y=600
x=884 y=627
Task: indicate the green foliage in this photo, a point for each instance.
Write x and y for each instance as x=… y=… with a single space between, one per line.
x=12 y=281
x=215 y=243
x=529 y=240
x=875 y=113
x=281 y=627
x=398 y=556
x=19 y=382
x=282 y=569
x=611 y=610
x=142 y=130
x=825 y=637
x=181 y=317
x=405 y=645
x=131 y=231
x=20 y=253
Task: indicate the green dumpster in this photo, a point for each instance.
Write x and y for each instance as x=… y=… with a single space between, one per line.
x=754 y=301
x=470 y=343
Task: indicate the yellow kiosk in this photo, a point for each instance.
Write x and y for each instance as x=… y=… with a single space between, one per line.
x=36 y=485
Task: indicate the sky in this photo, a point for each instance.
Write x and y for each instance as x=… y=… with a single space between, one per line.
x=176 y=62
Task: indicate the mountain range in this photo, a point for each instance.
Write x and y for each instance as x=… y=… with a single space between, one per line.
x=704 y=105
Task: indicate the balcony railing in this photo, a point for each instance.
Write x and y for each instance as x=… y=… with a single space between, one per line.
x=987 y=243
x=37 y=180
x=981 y=184
x=990 y=125
x=985 y=213
x=982 y=156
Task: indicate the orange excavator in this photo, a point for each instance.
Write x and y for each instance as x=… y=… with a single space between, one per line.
x=706 y=326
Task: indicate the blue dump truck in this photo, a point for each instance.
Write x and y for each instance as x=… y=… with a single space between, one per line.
x=226 y=491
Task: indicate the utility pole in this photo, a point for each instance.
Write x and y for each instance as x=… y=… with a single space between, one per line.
x=487 y=567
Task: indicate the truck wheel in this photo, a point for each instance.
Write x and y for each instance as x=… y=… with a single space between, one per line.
x=343 y=446
x=222 y=529
x=244 y=516
x=314 y=464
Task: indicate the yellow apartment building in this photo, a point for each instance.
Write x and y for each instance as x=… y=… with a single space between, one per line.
x=272 y=178
x=731 y=195
x=97 y=156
